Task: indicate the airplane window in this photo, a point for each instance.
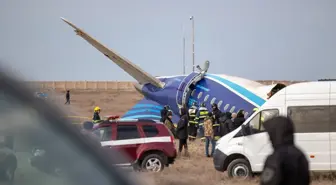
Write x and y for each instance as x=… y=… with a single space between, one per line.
x=206 y=98
x=226 y=107
x=213 y=100
x=199 y=95
x=193 y=92
x=219 y=104
x=232 y=109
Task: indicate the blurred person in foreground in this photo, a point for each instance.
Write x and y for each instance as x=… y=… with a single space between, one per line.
x=182 y=132
x=169 y=123
x=209 y=135
x=87 y=132
x=287 y=165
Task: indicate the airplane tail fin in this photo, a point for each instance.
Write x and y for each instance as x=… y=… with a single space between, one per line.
x=136 y=72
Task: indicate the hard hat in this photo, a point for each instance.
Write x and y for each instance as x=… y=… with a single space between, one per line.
x=203 y=104
x=97 y=108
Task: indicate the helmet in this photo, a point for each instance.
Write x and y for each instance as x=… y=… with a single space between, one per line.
x=214 y=106
x=97 y=109
x=203 y=104
x=167 y=107
x=194 y=104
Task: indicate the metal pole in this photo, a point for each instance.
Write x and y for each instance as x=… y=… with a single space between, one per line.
x=183 y=54
x=193 y=42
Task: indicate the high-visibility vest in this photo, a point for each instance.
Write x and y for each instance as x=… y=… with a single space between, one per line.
x=202 y=114
x=192 y=116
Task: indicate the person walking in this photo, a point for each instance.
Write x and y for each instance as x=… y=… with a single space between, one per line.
x=67 y=97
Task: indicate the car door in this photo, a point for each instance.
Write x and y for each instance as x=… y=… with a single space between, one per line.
x=257 y=145
x=128 y=140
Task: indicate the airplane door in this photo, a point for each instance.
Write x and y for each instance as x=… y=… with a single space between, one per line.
x=257 y=145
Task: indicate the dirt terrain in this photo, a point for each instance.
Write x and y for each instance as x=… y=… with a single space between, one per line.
x=196 y=170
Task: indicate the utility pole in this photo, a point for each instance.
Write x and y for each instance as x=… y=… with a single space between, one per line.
x=193 y=42
x=183 y=50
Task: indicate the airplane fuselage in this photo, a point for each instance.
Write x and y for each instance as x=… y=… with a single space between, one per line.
x=212 y=89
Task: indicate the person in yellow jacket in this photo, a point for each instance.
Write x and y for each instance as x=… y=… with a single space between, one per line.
x=96 y=116
x=202 y=113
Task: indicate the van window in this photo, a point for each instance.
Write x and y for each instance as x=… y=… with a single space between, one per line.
x=332 y=118
x=309 y=119
x=264 y=115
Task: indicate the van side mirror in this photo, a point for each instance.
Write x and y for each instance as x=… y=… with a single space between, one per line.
x=246 y=130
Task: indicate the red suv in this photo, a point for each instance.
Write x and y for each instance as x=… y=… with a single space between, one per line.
x=148 y=145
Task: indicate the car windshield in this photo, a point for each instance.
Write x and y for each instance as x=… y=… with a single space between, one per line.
x=32 y=152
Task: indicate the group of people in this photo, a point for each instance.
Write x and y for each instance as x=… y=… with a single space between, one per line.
x=198 y=121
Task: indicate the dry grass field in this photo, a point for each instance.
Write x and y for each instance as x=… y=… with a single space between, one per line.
x=196 y=170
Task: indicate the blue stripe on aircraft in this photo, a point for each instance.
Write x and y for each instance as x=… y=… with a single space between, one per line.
x=142 y=116
x=147 y=105
x=241 y=90
x=132 y=111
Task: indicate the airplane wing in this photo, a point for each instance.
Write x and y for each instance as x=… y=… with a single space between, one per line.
x=136 y=72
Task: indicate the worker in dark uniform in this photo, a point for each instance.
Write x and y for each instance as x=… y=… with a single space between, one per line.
x=67 y=97
x=96 y=116
x=182 y=132
x=287 y=165
x=163 y=113
x=202 y=113
x=193 y=124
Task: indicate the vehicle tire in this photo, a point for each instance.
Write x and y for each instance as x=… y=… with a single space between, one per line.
x=153 y=163
x=239 y=168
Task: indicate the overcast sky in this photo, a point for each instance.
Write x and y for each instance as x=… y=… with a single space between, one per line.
x=255 y=39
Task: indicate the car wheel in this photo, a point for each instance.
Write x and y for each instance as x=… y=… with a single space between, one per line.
x=239 y=168
x=153 y=163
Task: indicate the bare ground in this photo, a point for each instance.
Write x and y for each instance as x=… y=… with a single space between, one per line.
x=196 y=170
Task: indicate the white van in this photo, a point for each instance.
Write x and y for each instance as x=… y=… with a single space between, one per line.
x=311 y=106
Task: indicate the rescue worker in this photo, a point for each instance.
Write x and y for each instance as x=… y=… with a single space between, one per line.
x=164 y=112
x=169 y=123
x=216 y=113
x=182 y=132
x=287 y=165
x=202 y=113
x=96 y=116
x=209 y=135
x=239 y=120
x=193 y=124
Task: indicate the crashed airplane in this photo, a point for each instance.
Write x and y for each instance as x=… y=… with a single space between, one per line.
x=230 y=93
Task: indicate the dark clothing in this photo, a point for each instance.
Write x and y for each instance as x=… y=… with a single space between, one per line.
x=287 y=165
x=163 y=113
x=193 y=124
x=182 y=143
x=96 y=116
x=67 y=97
x=226 y=124
x=182 y=125
x=238 y=121
x=216 y=113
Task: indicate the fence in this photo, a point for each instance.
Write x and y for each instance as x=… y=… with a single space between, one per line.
x=83 y=85
x=106 y=85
